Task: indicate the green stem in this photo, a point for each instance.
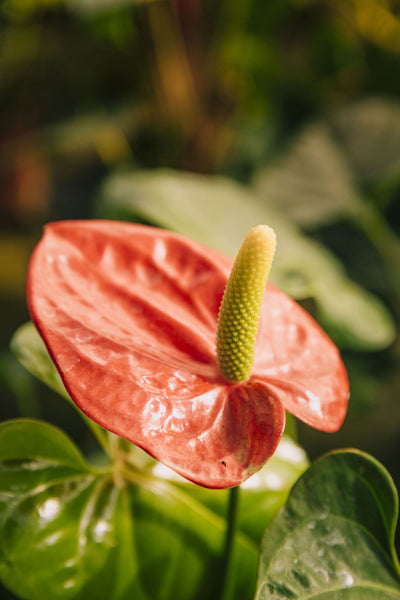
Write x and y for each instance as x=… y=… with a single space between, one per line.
x=226 y=579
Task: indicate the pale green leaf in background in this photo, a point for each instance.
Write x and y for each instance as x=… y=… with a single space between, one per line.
x=318 y=181
x=30 y=350
x=219 y=212
x=311 y=183
x=369 y=133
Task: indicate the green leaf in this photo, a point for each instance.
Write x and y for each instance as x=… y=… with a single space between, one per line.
x=220 y=212
x=16 y=379
x=72 y=532
x=314 y=180
x=365 y=322
x=369 y=133
x=311 y=182
x=335 y=537
x=29 y=348
x=208 y=209
x=261 y=496
x=315 y=184
x=267 y=491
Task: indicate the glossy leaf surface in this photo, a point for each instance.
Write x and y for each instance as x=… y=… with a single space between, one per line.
x=129 y=316
x=261 y=496
x=69 y=532
x=220 y=212
x=335 y=537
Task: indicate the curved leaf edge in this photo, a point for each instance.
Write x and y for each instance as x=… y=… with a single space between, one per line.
x=131 y=476
x=27 y=343
x=391 y=523
x=11 y=428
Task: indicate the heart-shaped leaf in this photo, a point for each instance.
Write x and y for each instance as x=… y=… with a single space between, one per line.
x=72 y=532
x=220 y=212
x=335 y=537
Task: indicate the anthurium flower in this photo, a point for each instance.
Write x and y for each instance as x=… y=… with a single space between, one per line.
x=129 y=315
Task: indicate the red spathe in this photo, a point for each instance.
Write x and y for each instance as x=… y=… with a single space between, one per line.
x=129 y=316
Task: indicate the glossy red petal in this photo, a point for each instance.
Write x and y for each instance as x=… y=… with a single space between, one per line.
x=129 y=314
x=299 y=362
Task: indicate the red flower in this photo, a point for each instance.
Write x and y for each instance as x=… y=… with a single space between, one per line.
x=129 y=316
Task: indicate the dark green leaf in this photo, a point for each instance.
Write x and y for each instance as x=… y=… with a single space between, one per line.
x=16 y=379
x=335 y=537
x=68 y=531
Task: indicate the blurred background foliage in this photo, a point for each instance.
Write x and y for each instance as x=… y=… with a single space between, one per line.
x=210 y=117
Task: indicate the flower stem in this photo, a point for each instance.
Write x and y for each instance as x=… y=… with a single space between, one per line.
x=226 y=579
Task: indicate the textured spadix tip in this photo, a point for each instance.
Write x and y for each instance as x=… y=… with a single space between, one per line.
x=240 y=309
